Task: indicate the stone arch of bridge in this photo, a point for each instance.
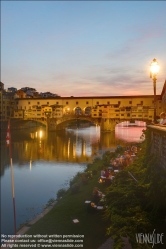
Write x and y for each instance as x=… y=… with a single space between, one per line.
x=25 y=121
x=40 y=121
x=136 y=121
x=68 y=118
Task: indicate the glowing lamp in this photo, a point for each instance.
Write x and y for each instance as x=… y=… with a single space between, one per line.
x=154 y=68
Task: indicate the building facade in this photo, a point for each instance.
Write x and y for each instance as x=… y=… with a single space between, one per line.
x=111 y=107
x=163 y=97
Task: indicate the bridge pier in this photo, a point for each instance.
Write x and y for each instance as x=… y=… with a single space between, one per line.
x=52 y=125
x=107 y=124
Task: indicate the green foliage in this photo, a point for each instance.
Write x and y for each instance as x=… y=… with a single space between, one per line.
x=107 y=156
x=75 y=188
x=50 y=201
x=135 y=207
x=61 y=193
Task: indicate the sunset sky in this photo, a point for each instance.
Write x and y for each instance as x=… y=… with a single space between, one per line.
x=83 y=48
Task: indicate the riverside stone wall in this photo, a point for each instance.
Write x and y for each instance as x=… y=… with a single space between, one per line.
x=158 y=143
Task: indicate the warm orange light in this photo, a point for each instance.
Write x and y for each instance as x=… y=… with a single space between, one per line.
x=154 y=67
x=40 y=134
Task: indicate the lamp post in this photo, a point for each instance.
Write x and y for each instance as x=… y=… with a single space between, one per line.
x=154 y=69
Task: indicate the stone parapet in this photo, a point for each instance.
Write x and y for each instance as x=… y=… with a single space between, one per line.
x=158 y=143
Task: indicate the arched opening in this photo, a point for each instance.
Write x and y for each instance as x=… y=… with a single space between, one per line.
x=88 y=111
x=67 y=111
x=132 y=123
x=78 y=111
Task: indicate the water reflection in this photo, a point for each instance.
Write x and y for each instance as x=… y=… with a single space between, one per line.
x=79 y=145
x=44 y=163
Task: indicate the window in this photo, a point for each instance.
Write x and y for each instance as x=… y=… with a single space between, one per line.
x=130 y=102
x=67 y=103
x=128 y=114
x=87 y=102
x=108 y=103
x=97 y=102
x=141 y=102
x=76 y=102
x=29 y=103
x=38 y=103
x=57 y=103
x=47 y=103
x=119 y=102
x=122 y=114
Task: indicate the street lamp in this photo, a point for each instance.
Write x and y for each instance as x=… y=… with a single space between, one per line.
x=154 y=69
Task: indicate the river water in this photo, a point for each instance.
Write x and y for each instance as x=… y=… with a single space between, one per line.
x=44 y=162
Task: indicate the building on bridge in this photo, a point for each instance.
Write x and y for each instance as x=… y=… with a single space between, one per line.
x=108 y=110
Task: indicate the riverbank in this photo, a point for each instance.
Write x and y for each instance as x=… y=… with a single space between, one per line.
x=135 y=202
x=72 y=205
x=59 y=219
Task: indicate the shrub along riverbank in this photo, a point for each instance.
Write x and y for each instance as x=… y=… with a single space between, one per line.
x=133 y=206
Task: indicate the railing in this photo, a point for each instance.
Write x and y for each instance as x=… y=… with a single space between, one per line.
x=158 y=142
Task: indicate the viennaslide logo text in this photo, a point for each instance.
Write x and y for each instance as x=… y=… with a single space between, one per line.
x=150 y=238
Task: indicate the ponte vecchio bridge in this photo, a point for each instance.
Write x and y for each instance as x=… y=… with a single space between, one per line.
x=106 y=111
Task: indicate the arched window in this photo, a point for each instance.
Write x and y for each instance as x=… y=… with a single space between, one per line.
x=78 y=111
x=88 y=111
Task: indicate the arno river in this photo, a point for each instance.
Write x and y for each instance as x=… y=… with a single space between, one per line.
x=44 y=163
